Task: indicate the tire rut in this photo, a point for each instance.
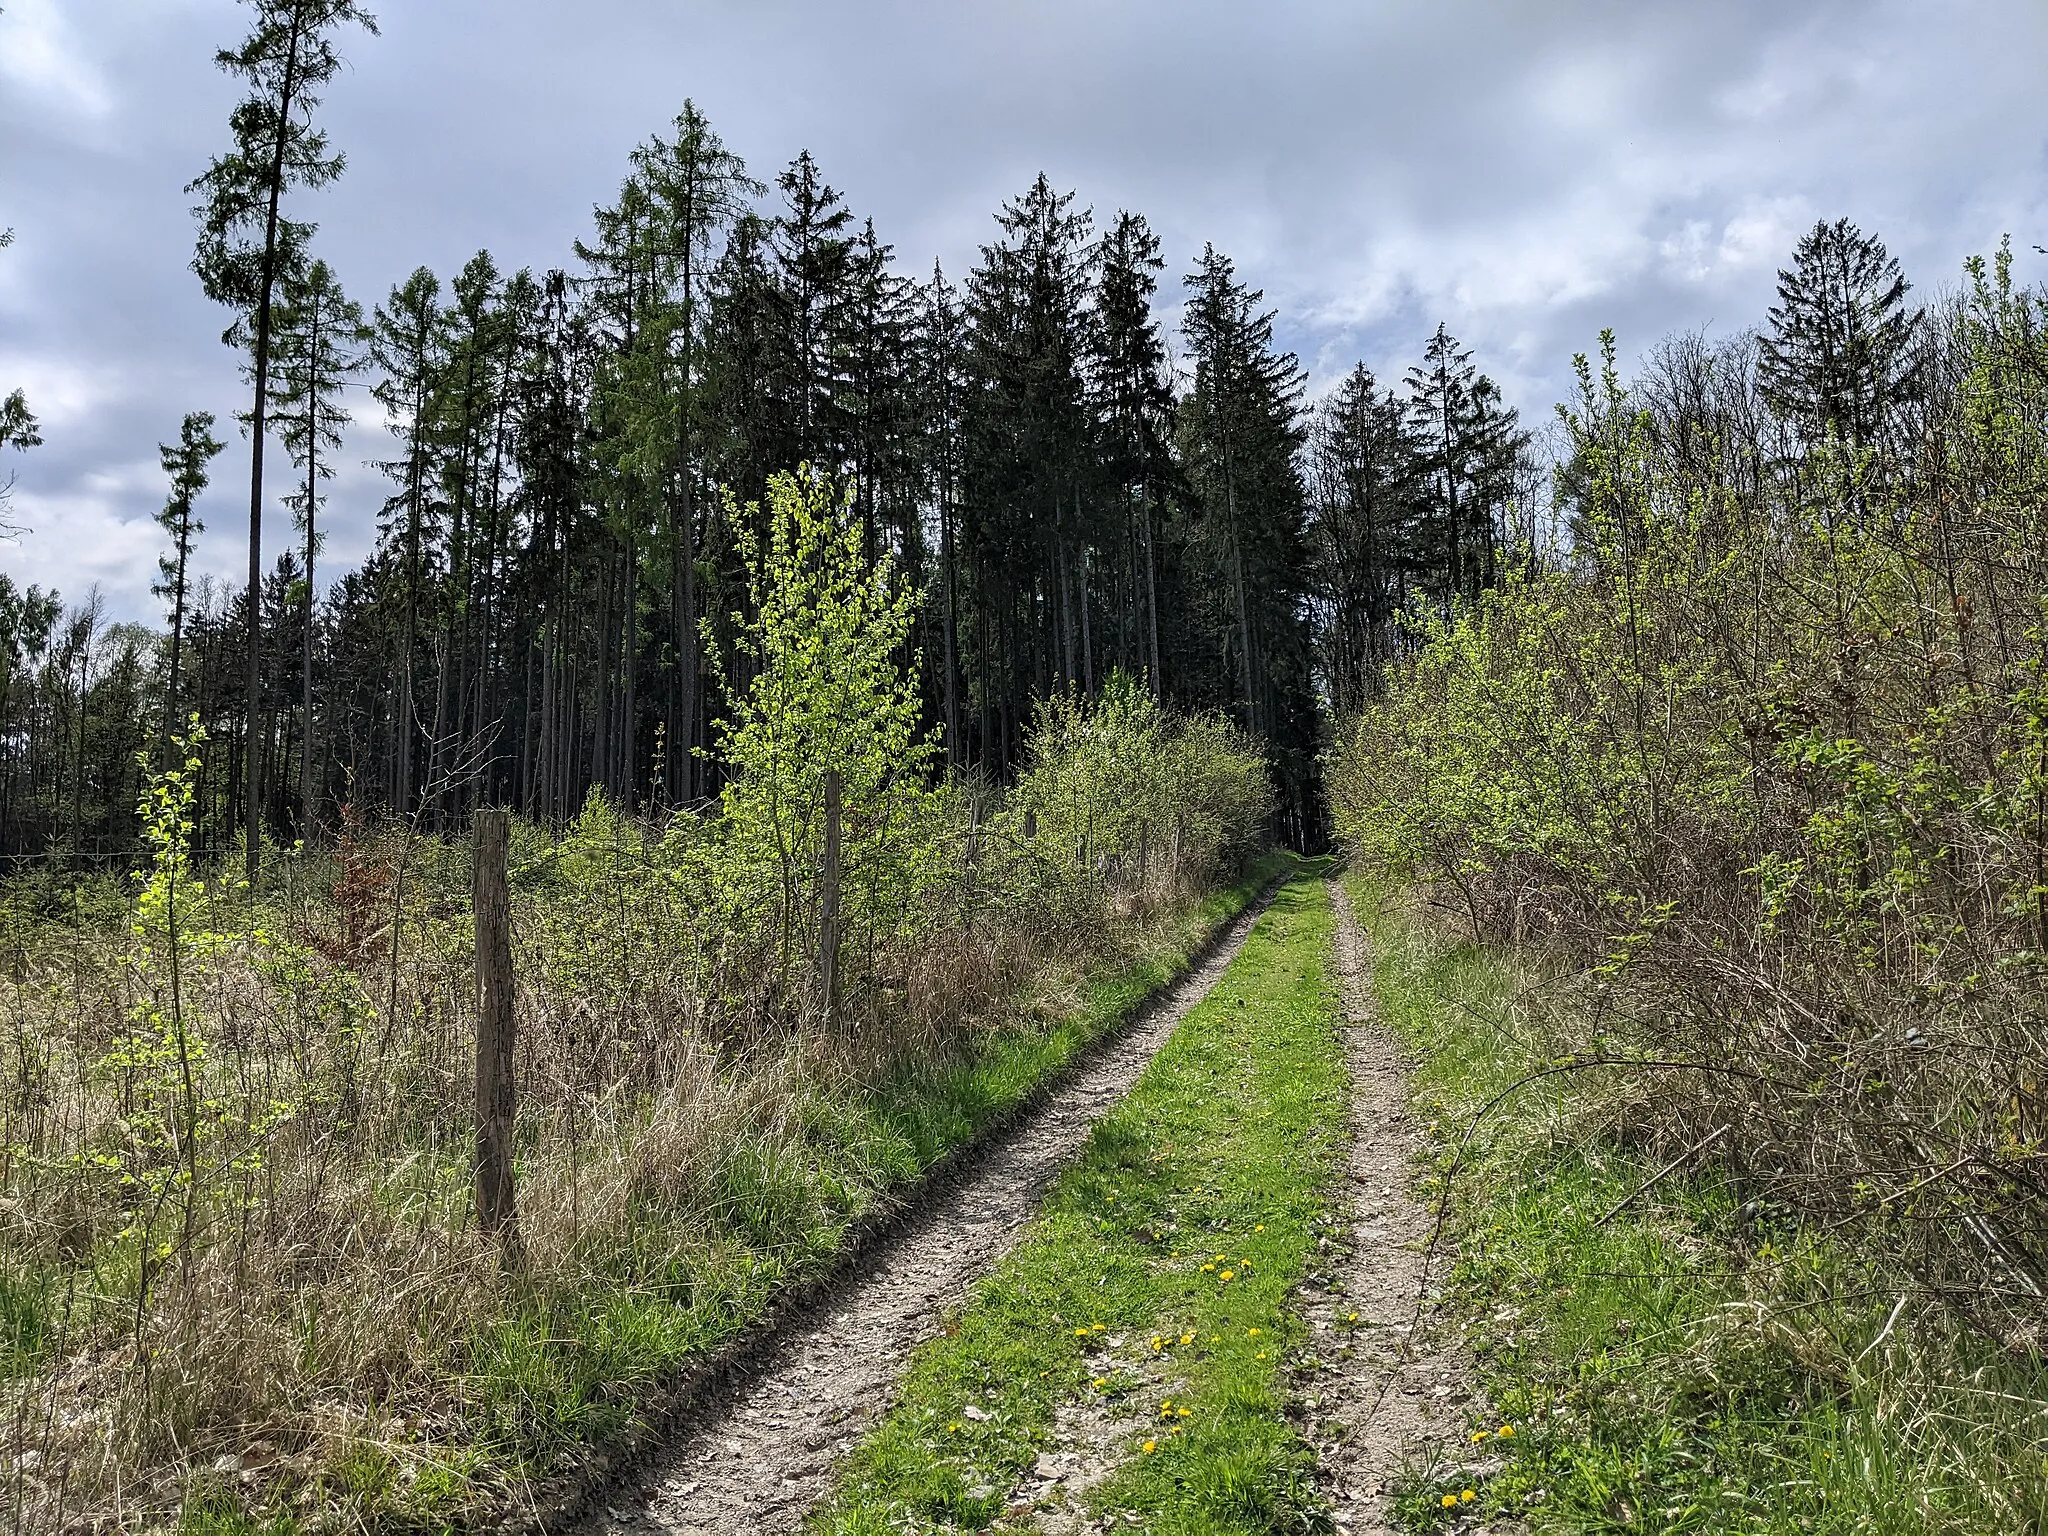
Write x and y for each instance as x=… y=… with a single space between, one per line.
x=1389 y=1394
x=765 y=1452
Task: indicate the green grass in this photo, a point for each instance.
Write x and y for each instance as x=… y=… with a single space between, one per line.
x=568 y=1367
x=1187 y=1217
x=1677 y=1368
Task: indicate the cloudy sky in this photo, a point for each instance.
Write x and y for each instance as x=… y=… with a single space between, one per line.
x=1526 y=172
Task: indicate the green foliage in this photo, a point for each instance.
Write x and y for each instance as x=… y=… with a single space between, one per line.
x=1118 y=777
x=828 y=693
x=1765 y=759
x=1686 y=1363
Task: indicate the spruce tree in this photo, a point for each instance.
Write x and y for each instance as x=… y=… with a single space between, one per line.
x=942 y=355
x=682 y=194
x=813 y=255
x=1240 y=433
x=1028 y=449
x=186 y=465
x=1471 y=441
x=409 y=343
x=246 y=244
x=1240 y=429
x=1366 y=498
x=1134 y=405
x=318 y=345
x=1839 y=354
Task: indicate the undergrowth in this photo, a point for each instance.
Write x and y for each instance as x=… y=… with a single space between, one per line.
x=241 y=1277
x=1689 y=1359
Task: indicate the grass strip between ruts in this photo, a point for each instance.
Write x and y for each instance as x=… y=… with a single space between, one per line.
x=1152 y=1291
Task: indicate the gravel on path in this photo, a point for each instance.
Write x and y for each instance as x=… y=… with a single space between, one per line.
x=1389 y=1392
x=765 y=1454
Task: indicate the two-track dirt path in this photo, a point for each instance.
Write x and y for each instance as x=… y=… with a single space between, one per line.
x=755 y=1465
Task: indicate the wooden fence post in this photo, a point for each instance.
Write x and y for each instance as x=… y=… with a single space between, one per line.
x=496 y=1030
x=828 y=904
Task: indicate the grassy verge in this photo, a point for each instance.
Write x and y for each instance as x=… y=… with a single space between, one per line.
x=566 y=1366
x=1151 y=1292
x=1686 y=1364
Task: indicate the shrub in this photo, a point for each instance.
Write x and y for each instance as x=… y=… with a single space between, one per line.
x=1766 y=760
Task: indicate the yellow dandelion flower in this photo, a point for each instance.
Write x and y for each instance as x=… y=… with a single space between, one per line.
x=1080 y=1333
x=1262 y=1354
x=1251 y=1333
x=1449 y=1501
x=1506 y=1431
x=953 y=1428
x=1467 y=1496
x=1187 y=1338
x=1101 y=1382
x=1102 y=1328
x=1352 y=1318
x=1151 y=1446
x=1228 y=1274
x=1260 y=1227
x=1181 y=1413
x=1478 y=1435
x=1208 y=1269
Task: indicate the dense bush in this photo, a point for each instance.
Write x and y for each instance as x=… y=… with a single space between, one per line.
x=1765 y=758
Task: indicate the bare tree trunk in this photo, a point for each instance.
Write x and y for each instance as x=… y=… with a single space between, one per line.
x=828 y=905
x=496 y=1033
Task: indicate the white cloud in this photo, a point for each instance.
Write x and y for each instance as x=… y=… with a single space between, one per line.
x=41 y=57
x=1524 y=174
x=99 y=531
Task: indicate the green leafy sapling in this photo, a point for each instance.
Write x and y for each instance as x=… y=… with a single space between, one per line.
x=828 y=690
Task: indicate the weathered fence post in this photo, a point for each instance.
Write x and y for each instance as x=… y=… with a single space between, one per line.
x=828 y=903
x=496 y=1029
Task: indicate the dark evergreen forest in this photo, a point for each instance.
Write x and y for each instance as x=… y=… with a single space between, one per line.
x=1075 y=487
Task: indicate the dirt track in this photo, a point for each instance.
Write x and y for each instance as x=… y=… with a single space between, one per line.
x=1388 y=1394
x=757 y=1463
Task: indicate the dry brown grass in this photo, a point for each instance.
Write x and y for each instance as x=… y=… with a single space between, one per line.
x=312 y=1324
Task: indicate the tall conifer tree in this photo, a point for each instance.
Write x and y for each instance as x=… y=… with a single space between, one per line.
x=246 y=244
x=187 y=466
x=318 y=341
